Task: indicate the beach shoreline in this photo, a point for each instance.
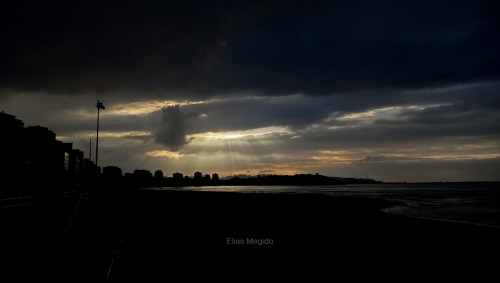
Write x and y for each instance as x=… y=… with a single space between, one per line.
x=158 y=234
x=305 y=231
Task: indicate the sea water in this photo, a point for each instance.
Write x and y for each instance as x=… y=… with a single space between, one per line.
x=477 y=203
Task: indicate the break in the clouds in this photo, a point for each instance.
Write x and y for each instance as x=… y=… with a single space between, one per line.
x=393 y=90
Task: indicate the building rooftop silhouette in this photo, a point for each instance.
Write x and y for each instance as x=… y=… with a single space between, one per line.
x=35 y=152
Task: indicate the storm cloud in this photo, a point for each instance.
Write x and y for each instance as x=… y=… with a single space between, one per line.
x=200 y=49
x=172 y=133
x=336 y=87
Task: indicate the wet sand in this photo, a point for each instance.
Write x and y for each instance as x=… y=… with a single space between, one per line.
x=162 y=234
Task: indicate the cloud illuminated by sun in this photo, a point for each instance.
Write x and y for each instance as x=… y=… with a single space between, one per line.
x=384 y=112
x=359 y=115
x=167 y=154
x=146 y=107
x=227 y=135
x=106 y=134
x=329 y=157
x=133 y=108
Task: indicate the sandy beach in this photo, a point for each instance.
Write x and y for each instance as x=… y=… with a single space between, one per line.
x=160 y=234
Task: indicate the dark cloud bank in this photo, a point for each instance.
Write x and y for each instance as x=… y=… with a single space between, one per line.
x=204 y=48
x=302 y=65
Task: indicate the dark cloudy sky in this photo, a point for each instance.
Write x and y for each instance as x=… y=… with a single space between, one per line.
x=392 y=90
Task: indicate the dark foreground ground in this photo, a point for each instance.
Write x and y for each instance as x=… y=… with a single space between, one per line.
x=166 y=234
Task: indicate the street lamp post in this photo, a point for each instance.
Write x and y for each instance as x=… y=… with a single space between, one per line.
x=98 y=106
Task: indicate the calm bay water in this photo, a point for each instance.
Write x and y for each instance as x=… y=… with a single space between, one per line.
x=477 y=203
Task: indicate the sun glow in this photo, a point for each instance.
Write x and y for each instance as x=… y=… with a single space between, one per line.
x=146 y=107
x=107 y=134
x=227 y=153
x=259 y=132
x=167 y=154
x=328 y=157
x=386 y=112
x=359 y=115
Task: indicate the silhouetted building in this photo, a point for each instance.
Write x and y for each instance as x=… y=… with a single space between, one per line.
x=44 y=154
x=12 y=151
x=158 y=174
x=159 y=181
x=177 y=176
x=41 y=133
x=67 y=147
x=215 y=177
x=76 y=161
x=197 y=176
x=142 y=178
x=32 y=157
x=177 y=179
x=9 y=122
x=143 y=174
x=89 y=167
x=112 y=172
x=73 y=159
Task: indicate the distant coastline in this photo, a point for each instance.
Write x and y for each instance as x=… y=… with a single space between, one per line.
x=259 y=180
